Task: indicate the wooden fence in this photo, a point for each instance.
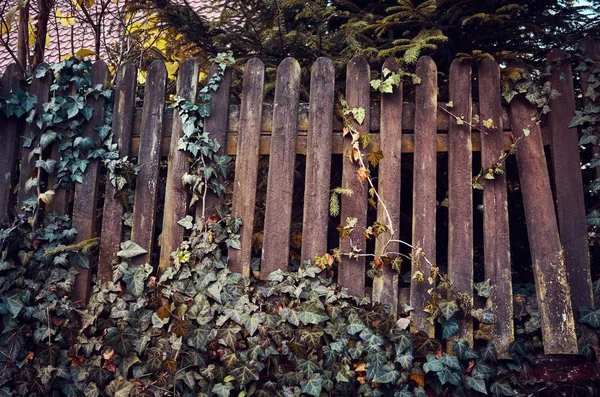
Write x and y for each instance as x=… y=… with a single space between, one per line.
x=288 y=128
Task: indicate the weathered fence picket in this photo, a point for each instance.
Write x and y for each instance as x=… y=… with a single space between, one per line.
x=424 y=190
x=287 y=128
x=496 y=241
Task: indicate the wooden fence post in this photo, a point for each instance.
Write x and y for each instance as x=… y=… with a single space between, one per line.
x=85 y=201
x=460 y=190
x=318 y=160
x=552 y=287
x=122 y=128
x=146 y=188
x=176 y=195
x=11 y=82
x=496 y=241
x=280 y=186
x=385 y=287
x=424 y=189
x=568 y=182
x=351 y=273
x=246 y=163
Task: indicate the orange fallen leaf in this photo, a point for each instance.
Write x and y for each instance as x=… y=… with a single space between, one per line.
x=29 y=357
x=419 y=379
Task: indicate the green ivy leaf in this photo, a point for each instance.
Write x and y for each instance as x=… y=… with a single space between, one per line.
x=120 y=388
x=200 y=337
x=433 y=364
x=228 y=336
x=590 y=317
x=476 y=383
x=502 y=388
x=483 y=288
x=129 y=249
x=120 y=339
x=313 y=385
x=463 y=351
x=405 y=360
x=448 y=308
x=222 y=389
x=245 y=373
x=311 y=318
x=449 y=327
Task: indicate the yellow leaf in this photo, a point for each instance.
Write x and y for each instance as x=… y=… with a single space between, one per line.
x=172 y=68
x=89 y=3
x=31 y=39
x=46 y=197
x=84 y=52
x=160 y=44
x=141 y=77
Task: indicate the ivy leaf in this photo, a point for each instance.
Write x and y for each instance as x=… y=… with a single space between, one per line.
x=449 y=327
x=14 y=304
x=186 y=222
x=387 y=374
x=228 y=336
x=502 y=388
x=222 y=389
x=289 y=315
x=448 y=308
x=245 y=374
x=375 y=157
x=489 y=353
x=312 y=385
x=129 y=249
x=405 y=360
x=200 y=337
x=433 y=364
x=356 y=325
x=120 y=388
x=358 y=114
x=403 y=393
x=372 y=341
x=591 y=317
x=476 y=383
x=253 y=322
x=403 y=343
x=311 y=318
x=483 y=288
x=120 y=339
x=135 y=277
x=463 y=351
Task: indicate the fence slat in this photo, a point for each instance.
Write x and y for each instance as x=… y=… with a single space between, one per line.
x=85 y=200
x=592 y=47
x=496 y=242
x=385 y=287
x=40 y=87
x=460 y=190
x=552 y=287
x=424 y=189
x=280 y=184
x=318 y=160
x=146 y=188
x=568 y=183
x=246 y=163
x=176 y=195
x=122 y=127
x=216 y=125
x=11 y=81
x=351 y=273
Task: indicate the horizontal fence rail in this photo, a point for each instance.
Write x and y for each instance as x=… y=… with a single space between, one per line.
x=287 y=128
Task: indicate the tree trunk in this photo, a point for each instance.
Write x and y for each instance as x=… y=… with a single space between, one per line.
x=44 y=7
x=23 y=36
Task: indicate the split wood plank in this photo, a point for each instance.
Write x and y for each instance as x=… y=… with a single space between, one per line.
x=460 y=191
x=568 y=182
x=351 y=272
x=176 y=195
x=40 y=87
x=496 y=241
x=385 y=287
x=318 y=160
x=11 y=82
x=552 y=287
x=592 y=52
x=280 y=182
x=146 y=188
x=85 y=200
x=246 y=163
x=216 y=125
x=424 y=191
x=122 y=127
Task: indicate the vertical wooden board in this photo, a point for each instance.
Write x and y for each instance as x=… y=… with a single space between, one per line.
x=592 y=47
x=385 y=287
x=460 y=190
x=318 y=160
x=11 y=82
x=568 y=183
x=176 y=195
x=351 y=272
x=216 y=126
x=40 y=87
x=246 y=163
x=280 y=183
x=122 y=128
x=146 y=187
x=552 y=287
x=496 y=242
x=85 y=201
x=424 y=190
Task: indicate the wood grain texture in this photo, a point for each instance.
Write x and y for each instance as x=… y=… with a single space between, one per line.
x=424 y=189
x=146 y=188
x=246 y=163
x=85 y=200
x=385 y=287
x=568 y=183
x=318 y=160
x=40 y=87
x=176 y=195
x=11 y=82
x=122 y=128
x=280 y=182
x=460 y=191
x=496 y=242
x=552 y=287
x=351 y=272
x=216 y=125
x=592 y=52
